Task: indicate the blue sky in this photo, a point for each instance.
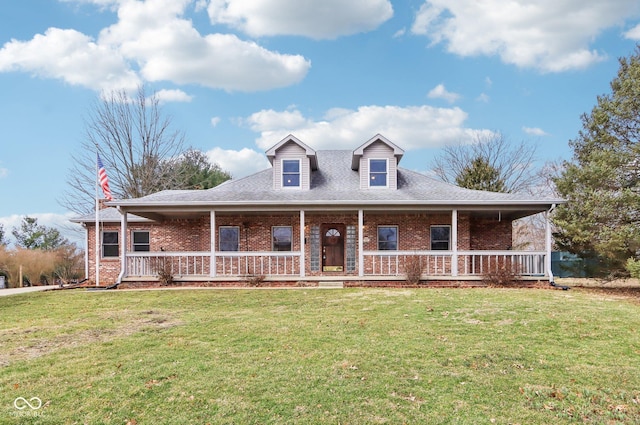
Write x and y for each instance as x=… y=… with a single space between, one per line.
x=238 y=75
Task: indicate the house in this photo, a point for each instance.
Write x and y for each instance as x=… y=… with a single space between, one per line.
x=348 y=217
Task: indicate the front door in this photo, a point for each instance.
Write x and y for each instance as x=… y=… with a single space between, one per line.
x=333 y=247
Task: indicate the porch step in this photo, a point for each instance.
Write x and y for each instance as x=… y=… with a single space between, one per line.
x=330 y=284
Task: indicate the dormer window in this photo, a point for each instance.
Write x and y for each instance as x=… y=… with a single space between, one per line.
x=290 y=173
x=378 y=169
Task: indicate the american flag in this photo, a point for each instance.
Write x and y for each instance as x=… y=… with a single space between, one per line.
x=104 y=180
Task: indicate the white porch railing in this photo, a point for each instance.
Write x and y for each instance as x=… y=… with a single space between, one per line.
x=176 y=263
x=470 y=263
x=227 y=263
x=393 y=263
x=376 y=263
x=522 y=263
x=258 y=263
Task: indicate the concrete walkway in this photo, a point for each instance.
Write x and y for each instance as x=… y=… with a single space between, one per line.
x=14 y=291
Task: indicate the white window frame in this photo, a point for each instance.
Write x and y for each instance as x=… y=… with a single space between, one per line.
x=102 y=244
x=273 y=239
x=431 y=241
x=386 y=174
x=283 y=174
x=220 y=239
x=397 y=236
x=134 y=244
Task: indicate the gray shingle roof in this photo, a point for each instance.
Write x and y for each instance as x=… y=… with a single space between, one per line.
x=334 y=182
x=108 y=215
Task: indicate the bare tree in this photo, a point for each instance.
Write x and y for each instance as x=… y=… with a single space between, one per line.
x=513 y=163
x=133 y=139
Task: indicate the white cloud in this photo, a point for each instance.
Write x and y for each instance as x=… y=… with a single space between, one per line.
x=70 y=56
x=400 y=33
x=633 y=33
x=411 y=127
x=549 y=35
x=325 y=19
x=4 y=172
x=215 y=121
x=440 y=92
x=483 y=97
x=152 y=41
x=239 y=163
x=165 y=96
x=535 y=131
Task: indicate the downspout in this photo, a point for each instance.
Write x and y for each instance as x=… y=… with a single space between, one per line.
x=360 y=243
x=86 y=251
x=548 y=242
x=123 y=260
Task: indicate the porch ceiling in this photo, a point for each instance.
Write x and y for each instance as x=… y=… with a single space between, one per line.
x=499 y=212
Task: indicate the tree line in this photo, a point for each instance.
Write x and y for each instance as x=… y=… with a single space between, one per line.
x=40 y=256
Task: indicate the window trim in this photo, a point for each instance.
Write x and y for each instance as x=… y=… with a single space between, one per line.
x=220 y=240
x=431 y=240
x=273 y=239
x=386 y=174
x=134 y=244
x=397 y=232
x=283 y=174
x=102 y=244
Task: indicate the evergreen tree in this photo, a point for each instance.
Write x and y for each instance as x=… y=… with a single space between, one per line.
x=480 y=175
x=193 y=170
x=601 y=219
x=32 y=235
x=491 y=162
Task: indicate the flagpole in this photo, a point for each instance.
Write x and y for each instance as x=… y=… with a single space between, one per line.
x=97 y=251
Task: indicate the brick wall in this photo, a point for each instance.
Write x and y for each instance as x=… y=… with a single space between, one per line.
x=255 y=234
x=490 y=234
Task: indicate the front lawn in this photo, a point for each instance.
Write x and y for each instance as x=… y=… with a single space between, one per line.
x=355 y=356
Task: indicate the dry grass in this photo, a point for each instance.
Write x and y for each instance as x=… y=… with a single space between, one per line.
x=598 y=283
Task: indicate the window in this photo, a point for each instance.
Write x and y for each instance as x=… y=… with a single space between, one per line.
x=140 y=240
x=378 y=173
x=229 y=238
x=110 y=247
x=440 y=238
x=290 y=173
x=388 y=238
x=281 y=236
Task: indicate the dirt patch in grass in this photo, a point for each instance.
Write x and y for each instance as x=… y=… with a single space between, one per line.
x=31 y=343
x=631 y=293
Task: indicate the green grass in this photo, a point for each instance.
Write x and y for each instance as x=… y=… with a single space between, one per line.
x=354 y=356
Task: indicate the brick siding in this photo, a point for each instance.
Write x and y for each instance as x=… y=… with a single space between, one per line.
x=193 y=235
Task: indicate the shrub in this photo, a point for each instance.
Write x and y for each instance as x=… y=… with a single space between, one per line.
x=633 y=267
x=255 y=280
x=163 y=270
x=413 y=269
x=501 y=275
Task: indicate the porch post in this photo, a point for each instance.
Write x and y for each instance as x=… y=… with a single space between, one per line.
x=547 y=257
x=360 y=243
x=302 y=247
x=212 y=260
x=123 y=260
x=454 y=243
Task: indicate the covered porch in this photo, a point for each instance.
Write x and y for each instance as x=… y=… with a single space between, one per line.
x=362 y=255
